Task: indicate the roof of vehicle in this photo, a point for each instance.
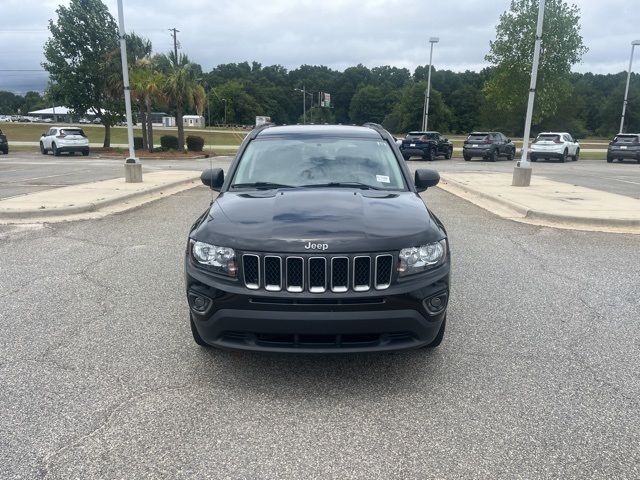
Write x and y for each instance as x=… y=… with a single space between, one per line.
x=628 y=134
x=319 y=130
x=481 y=133
x=553 y=133
x=418 y=132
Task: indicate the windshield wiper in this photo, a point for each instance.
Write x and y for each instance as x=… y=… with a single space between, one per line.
x=362 y=186
x=259 y=185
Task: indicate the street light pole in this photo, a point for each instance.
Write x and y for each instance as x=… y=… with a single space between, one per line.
x=626 y=90
x=522 y=170
x=132 y=168
x=304 y=103
x=425 y=120
x=225 y=111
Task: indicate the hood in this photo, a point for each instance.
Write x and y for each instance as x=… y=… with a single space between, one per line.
x=346 y=221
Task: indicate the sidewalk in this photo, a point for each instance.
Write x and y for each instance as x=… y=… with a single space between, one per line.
x=96 y=199
x=546 y=202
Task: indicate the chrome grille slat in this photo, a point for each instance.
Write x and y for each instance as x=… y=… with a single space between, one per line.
x=294 y=274
x=272 y=273
x=383 y=271
x=251 y=271
x=361 y=273
x=317 y=274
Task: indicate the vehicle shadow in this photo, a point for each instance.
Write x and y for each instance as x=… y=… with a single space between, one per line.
x=307 y=376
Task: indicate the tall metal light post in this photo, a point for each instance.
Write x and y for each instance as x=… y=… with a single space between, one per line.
x=132 y=167
x=626 y=90
x=427 y=95
x=225 y=110
x=522 y=170
x=304 y=103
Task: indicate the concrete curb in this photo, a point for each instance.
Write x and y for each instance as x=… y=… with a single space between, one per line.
x=95 y=206
x=534 y=216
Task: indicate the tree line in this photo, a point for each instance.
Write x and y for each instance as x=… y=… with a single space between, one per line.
x=85 y=74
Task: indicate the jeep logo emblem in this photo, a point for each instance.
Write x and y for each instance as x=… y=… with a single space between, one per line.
x=316 y=246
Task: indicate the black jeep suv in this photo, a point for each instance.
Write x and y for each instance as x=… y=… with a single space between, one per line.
x=318 y=242
x=489 y=146
x=427 y=145
x=4 y=144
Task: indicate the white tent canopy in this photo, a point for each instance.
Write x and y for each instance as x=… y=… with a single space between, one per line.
x=61 y=110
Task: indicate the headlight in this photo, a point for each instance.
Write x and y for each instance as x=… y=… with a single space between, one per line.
x=425 y=257
x=219 y=259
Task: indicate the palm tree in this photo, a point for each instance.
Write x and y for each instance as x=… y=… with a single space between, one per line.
x=179 y=88
x=147 y=86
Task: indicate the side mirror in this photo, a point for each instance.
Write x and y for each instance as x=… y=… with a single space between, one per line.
x=213 y=178
x=508 y=140
x=426 y=178
x=44 y=134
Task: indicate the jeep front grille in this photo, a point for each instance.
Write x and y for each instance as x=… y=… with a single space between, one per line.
x=317 y=274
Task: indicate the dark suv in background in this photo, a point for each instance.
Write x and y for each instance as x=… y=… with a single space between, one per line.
x=428 y=145
x=624 y=145
x=318 y=242
x=488 y=146
x=4 y=144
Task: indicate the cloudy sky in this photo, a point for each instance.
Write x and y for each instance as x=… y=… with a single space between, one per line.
x=336 y=33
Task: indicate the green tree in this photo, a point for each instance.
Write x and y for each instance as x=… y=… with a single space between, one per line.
x=79 y=57
x=147 y=87
x=179 y=88
x=511 y=53
x=367 y=105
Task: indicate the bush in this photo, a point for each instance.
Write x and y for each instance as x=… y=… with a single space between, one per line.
x=195 y=143
x=137 y=143
x=169 y=142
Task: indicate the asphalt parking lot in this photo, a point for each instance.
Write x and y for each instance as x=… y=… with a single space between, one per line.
x=24 y=172
x=538 y=376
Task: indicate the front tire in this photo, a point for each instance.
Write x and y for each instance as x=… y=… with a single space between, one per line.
x=85 y=153
x=511 y=155
x=432 y=154
x=576 y=157
x=43 y=150
x=449 y=154
x=609 y=160
x=467 y=158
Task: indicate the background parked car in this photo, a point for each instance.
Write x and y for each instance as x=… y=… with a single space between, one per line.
x=4 y=144
x=64 y=139
x=558 y=145
x=624 y=145
x=427 y=145
x=489 y=146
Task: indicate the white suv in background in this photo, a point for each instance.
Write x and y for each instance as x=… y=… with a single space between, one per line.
x=64 y=139
x=559 y=145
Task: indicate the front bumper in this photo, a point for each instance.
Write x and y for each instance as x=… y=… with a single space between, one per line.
x=398 y=318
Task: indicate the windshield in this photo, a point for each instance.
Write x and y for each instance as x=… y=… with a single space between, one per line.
x=626 y=139
x=319 y=161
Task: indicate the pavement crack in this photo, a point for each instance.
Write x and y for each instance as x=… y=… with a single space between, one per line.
x=108 y=418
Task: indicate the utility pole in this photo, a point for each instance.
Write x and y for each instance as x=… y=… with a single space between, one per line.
x=522 y=170
x=132 y=168
x=174 y=33
x=427 y=94
x=626 y=90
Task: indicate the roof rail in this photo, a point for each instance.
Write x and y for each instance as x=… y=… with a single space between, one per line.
x=378 y=128
x=254 y=133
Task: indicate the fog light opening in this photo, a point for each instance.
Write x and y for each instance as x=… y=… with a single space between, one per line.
x=436 y=304
x=199 y=303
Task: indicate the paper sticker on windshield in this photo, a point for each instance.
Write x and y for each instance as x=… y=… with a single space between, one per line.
x=382 y=179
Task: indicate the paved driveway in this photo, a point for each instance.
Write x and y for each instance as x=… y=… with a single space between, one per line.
x=538 y=375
